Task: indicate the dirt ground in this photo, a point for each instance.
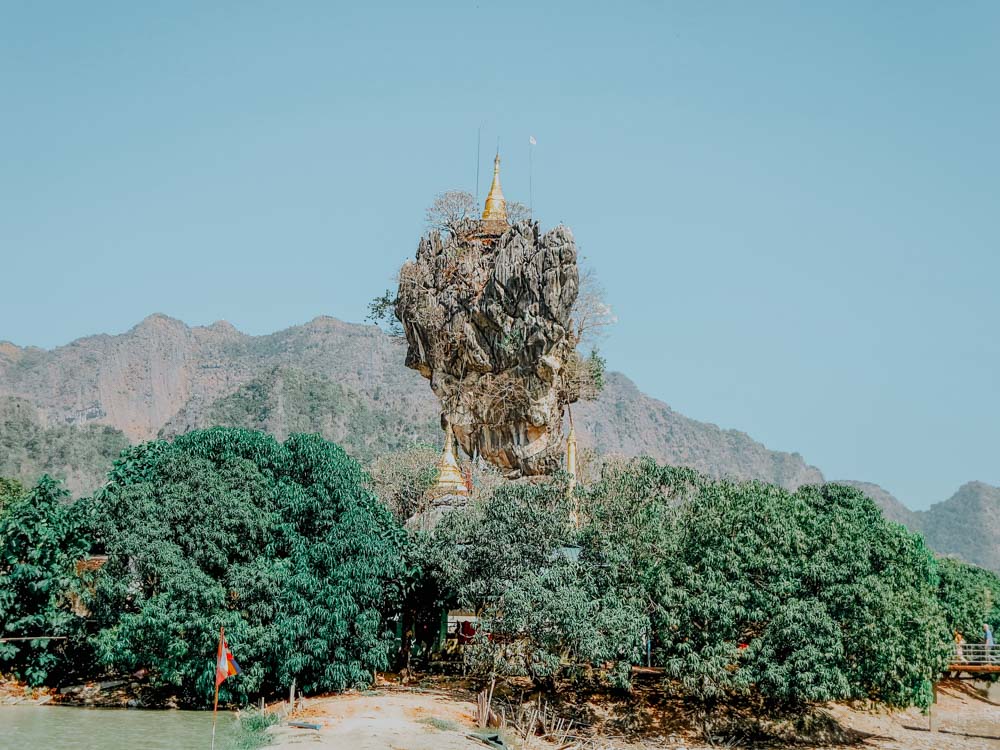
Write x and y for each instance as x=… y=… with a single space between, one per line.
x=964 y=719
x=413 y=719
x=397 y=720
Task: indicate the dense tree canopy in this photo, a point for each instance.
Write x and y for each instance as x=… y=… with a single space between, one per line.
x=41 y=538
x=283 y=544
x=745 y=590
x=742 y=591
x=784 y=598
x=513 y=558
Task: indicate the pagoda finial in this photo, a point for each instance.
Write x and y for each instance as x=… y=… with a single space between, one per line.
x=495 y=210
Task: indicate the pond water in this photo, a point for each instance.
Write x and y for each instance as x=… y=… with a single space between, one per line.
x=70 y=728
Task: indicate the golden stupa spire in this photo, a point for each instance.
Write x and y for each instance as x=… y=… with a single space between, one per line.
x=495 y=210
x=450 y=480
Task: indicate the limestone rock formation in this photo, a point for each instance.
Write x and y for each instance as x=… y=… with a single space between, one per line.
x=488 y=322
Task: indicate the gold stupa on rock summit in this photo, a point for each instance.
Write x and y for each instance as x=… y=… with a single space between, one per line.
x=494 y=221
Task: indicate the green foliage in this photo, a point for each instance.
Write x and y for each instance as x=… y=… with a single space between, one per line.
x=970 y=597
x=382 y=313
x=596 y=367
x=751 y=593
x=286 y=400
x=42 y=536
x=28 y=449
x=283 y=544
x=10 y=490
x=781 y=598
x=252 y=728
x=511 y=558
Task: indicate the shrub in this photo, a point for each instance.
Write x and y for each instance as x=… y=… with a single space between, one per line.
x=42 y=536
x=283 y=544
x=750 y=593
x=776 y=597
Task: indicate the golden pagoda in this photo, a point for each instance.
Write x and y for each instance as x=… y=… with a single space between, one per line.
x=494 y=221
x=450 y=480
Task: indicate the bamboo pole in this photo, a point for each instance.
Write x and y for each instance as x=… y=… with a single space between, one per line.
x=215 y=703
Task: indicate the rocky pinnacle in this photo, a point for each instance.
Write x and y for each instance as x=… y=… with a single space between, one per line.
x=489 y=324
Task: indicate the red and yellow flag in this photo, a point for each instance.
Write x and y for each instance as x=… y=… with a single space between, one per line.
x=225 y=664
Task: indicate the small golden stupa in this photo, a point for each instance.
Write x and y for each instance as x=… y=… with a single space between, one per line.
x=450 y=480
x=494 y=221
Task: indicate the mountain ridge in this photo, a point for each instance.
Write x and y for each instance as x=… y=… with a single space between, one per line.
x=162 y=377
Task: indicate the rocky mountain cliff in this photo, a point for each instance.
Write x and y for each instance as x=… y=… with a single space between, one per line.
x=69 y=411
x=488 y=323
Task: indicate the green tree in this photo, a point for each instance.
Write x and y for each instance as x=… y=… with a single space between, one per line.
x=512 y=557
x=401 y=478
x=42 y=536
x=283 y=544
x=780 y=599
x=969 y=595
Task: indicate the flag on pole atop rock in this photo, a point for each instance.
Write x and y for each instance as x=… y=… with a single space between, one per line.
x=531 y=185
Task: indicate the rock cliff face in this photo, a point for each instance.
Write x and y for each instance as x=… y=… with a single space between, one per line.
x=625 y=420
x=489 y=325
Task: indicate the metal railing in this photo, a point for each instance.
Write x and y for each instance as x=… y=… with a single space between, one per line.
x=975 y=654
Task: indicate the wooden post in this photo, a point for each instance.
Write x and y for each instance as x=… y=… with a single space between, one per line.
x=291 y=696
x=930 y=711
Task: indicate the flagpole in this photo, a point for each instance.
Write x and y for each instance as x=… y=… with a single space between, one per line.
x=531 y=190
x=215 y=715
x=479 y=138
x=215 y=703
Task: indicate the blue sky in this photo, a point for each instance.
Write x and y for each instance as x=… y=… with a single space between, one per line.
x=793 y=206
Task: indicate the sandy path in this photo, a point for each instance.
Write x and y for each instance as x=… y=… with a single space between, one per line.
x=425 y=720
x=964 y=718
x=383 y=721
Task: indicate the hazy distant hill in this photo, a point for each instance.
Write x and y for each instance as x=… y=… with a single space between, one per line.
x=966 y=525
x=892 y=508
x=69 y=411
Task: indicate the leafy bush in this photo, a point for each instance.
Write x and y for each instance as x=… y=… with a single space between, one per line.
x=251 y=731
x=780 y=598
x=283 y=544
x=512 y=557
x=749 y=592
x=42 y=536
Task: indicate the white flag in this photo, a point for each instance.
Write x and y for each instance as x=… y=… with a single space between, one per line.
x=532 y=141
